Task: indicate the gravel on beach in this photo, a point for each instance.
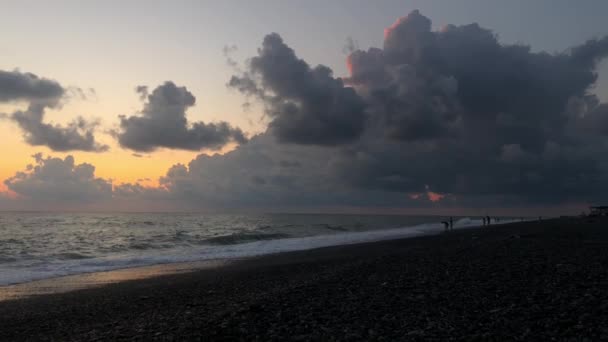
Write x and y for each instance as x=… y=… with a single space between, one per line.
x=525 y=281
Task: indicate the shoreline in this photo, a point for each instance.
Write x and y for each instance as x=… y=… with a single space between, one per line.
x=85 y=280
x=56 y=283
x=515 y=281
x=89 y=280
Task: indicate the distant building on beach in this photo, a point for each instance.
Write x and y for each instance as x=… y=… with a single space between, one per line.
x=601 y=210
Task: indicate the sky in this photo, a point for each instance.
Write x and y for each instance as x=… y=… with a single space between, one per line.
x=200 y=105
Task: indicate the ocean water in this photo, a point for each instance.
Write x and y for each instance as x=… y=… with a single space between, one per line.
x=44 y=245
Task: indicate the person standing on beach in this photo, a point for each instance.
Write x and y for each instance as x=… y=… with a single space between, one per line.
x=446 y=225
x=488 y=220
x=451 y=223
x=484 y=220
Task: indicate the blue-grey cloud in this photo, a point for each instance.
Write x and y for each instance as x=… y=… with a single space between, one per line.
x=25 y=86
x=452 y=111
x=467 y=115
x=40 y=94
x=306 y=105
x=163 y=123
x=59 y=180
x=77 y=135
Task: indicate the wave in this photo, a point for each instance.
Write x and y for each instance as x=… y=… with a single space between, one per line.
x=237 y=238
x=72 y=256
x=232 y=246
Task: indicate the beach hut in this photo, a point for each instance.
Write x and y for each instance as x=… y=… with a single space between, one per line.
x=601 y=210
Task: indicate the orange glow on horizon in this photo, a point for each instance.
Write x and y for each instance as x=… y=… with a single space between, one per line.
x=430 y=195
x=6 y=192
x=118 y=166
x=349 y=65
x=434 y=197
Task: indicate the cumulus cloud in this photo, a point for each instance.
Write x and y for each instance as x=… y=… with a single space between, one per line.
x=163 y=123
x=61 y=180
x=491 y=114
x=306 y=105
x=40 y=94
x=448 y=118
x=426 y=85
x=77 y=135
x=453 y=112
x=264 y=173
x=16 y=86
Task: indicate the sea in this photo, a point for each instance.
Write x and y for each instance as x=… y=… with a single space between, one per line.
x=35 y=245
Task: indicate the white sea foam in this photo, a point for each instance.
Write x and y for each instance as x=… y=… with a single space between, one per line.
x=19 y=272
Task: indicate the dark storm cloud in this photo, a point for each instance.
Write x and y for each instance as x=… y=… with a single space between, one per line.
x=57 y=180
x=468 y=115
x=306 y=105
x=590 y=53
x=454 y=111
x=41 y=94
x=447 y=118
x=163 y=123
x=429 y=85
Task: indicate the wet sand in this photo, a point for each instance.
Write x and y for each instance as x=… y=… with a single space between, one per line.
x=97 y=279
x=525 y=281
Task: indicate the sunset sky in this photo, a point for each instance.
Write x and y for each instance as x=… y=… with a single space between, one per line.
x=391 y=137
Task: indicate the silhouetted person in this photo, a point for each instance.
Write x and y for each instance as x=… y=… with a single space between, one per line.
x=489 y=220
x=446 y=225
x=484 y=220
x=451 y=223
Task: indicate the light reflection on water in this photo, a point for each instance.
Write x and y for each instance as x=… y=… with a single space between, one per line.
x=96 y=279
x=45 y=245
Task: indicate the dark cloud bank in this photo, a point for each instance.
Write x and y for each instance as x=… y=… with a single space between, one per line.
x=40 y=94
x=453 y=112
x=306 y=105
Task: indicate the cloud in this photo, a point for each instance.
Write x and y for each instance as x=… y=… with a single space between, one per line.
x=267 y=174
x=59 y=180
x=228 y=51
x=306 y=105
x=350 y=46
x=40 y=94
x=432 y=119
x=473 y=117
x=77 y=135
x=590 y=53
x=163 y=123
x=453 y=112
x=18 y=86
